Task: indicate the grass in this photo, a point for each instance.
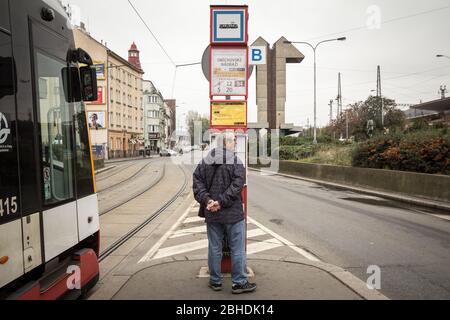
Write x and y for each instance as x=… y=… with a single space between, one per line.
x=338 y=155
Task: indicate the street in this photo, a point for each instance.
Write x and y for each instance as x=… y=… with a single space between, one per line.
x=356 y=231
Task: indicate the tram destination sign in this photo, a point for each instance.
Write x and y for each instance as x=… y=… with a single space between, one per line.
x=229 y=72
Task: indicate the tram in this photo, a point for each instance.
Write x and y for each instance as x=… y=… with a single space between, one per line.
x=49 y=220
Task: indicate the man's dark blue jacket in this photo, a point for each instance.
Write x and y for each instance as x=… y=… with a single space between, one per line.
x=226 y=187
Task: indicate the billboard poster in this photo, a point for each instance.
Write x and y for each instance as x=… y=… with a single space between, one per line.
x=229 y=71
x=229 y=114
x=100 y=68
x=229 y=25
x=100 y=99
x=96 y=120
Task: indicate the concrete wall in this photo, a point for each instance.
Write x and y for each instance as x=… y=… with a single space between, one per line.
x=434 y=187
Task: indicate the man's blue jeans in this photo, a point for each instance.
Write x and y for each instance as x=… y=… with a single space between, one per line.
x=236 y=240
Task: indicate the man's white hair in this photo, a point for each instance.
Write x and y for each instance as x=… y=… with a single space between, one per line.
x=229 y=136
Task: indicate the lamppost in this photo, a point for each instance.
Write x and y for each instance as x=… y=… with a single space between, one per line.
x=315 y=75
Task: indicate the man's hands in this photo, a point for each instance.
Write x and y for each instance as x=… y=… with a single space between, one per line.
x=213 y=206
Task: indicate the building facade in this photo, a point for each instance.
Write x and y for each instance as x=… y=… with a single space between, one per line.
x=126 y=108
x=116 y=118
x=172 y=125
x=155 y=119
x=96 y=111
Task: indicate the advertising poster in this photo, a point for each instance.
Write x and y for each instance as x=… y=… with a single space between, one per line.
x=100 y=99
x=231 y=114
x=229 y=72
x=96 y=120
x=100 y=68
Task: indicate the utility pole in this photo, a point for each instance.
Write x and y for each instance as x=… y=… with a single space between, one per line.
x=339 y=96
x=443 y=91
x=379 y=94
x=331 y=110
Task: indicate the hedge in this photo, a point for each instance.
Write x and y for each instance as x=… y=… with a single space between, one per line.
x=424 y=152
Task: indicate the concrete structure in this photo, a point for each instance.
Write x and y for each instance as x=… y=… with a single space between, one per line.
x=410 y=184
x=120 y=105
x=271 y=86
x=156 y=119
x=437 y=111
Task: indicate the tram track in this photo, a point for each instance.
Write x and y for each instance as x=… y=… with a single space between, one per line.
x=119 y=169
x=137 y=194
x=114 y=186
x=116 y=245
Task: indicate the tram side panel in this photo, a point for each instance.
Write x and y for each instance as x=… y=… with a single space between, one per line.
x=46 y=178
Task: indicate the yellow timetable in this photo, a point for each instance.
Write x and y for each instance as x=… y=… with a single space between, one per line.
x=229 y=114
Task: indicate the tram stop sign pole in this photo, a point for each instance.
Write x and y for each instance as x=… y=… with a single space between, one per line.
x=228 y=76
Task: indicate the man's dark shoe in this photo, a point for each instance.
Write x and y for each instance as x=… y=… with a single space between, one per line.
x=215 y=286
x=246 y=288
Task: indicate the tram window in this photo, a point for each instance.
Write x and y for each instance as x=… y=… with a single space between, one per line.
x=85 y=185
x=9 y=171
x=55 y=119
x=4 y=15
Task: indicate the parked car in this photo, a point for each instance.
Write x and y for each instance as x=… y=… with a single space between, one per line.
x=168 y=153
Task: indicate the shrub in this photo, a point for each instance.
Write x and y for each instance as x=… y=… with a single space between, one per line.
x=426 y=151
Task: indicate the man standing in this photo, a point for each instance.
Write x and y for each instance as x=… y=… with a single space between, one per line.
x=218 y=183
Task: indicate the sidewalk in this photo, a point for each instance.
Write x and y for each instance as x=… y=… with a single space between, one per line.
x=277 y=279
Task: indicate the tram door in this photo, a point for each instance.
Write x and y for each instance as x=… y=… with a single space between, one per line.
x=56 y=145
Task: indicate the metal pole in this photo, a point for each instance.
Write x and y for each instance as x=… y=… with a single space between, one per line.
x=315 y=98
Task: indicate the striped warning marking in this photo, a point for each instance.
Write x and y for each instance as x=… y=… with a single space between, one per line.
x=189 y=234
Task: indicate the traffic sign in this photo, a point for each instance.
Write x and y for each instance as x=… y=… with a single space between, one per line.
x=257 y=55
x=229 y=25
x=229 y=71
x=229 y=114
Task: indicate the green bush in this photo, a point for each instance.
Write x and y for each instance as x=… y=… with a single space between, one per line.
x=296 y=152
x=426 y=151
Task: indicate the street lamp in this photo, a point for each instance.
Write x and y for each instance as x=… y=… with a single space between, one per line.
x=315 y=75
x=442 y=56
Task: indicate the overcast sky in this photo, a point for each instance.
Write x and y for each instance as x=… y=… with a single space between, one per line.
x=404 y=39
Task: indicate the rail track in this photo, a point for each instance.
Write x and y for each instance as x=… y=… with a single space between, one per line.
x=116 y=245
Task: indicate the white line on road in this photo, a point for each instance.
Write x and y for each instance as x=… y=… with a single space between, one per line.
x=161 y=241
x=187 y=232
x=263 y=246
x=301 y=251
x=203 y=244
x=194 y=219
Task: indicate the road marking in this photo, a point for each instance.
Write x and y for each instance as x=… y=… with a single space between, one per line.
x=300 y=251
x=263 y=246
x=194 y=219
x=202 y=244
x=187 y=232
x=148 y=256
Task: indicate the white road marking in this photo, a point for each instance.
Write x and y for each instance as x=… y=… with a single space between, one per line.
x=148 y=256
x=197 y=245
x=194 y=219
x=300 y=251
x=187 y=232
x=263 y=246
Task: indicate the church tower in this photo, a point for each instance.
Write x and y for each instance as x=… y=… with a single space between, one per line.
x=133 y=56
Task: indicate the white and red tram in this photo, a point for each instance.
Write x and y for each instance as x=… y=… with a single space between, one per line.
x=49 y=222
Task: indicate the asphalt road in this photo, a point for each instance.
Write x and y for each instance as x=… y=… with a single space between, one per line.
x=356 y=231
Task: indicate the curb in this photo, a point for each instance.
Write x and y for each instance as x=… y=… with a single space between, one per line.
x=408 y=200
x=343 y=276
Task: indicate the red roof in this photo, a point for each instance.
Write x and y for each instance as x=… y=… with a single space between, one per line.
x=133 y=47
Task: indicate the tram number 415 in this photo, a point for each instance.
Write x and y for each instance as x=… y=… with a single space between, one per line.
x=8 y=206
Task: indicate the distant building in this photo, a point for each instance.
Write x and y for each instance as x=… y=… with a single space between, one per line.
x=172 y=127
x=116 y=118
x=156 y=118
x=437 y=111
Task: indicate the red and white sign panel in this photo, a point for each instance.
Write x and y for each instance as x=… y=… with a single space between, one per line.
x=229 y=71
